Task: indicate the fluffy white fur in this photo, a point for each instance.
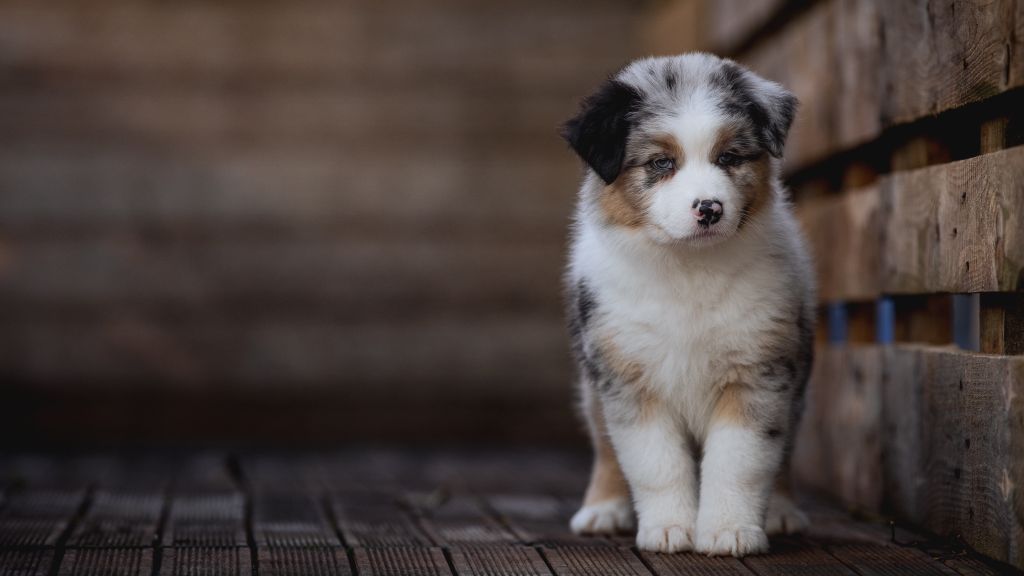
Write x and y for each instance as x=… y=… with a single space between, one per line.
x=694 y=308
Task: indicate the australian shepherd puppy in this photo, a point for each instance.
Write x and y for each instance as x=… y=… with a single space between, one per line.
x=691 y=306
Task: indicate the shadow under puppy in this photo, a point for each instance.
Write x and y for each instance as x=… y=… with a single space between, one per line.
x=691 y=306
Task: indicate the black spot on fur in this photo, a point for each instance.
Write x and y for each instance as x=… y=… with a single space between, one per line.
x=585 y=303
x=772 y=433
x=598 y=133
x=670 y=79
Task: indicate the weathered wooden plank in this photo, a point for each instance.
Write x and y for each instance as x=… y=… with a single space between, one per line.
x=845 y=237
x=210 y=561
x=460 y=521
x=307 y=272
x=401 y=562
x=456 y=354
x=582 y=560
x=351 y=192
x=290 y=519
x=888 y=560
x=109 y=562
x=498 y=561
x=955 y=445
x=796 y=557
x=375 y=520
x=313 y=38
x=206 y=520
x=838 y=447
x=955 y=227
x=119 y=519
x=38 y=517
x=25 y=562
x=540 y=519
x=941 y=55
x=320 y=561
x=695 y=565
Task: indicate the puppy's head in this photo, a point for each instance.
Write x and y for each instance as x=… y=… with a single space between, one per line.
x=684 y=146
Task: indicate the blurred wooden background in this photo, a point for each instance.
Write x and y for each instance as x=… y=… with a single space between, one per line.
x=290 y=219
x=906 y=163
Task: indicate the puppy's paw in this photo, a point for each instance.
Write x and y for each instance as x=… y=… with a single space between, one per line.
x=732 y=541
x=669 y=538
x=608 y=517
x=783 y=517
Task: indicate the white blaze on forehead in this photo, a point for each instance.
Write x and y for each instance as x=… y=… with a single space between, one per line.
x=696 y=125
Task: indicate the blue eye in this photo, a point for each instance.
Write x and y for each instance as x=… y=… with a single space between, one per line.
x=663 y=163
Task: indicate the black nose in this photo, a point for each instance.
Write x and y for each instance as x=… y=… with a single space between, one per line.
x=708 y=212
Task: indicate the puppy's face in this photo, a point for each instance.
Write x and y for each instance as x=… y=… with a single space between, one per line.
x=684 y=146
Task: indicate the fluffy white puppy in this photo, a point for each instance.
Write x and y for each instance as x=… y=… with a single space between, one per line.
x=691 y=305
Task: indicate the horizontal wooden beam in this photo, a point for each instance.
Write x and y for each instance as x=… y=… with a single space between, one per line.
x=931 y=434
x=862 y=67
x=955 y=227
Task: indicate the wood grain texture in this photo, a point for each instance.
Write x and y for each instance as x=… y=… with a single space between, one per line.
x=401 y=562
x=839 y=449
x=889 y=561
x=941 y=55
x=953 y=445
x=582 y=560
x=498 y=561
x=205 y=520
x=25 y=562
x=120 y=519
x=955 y=227
x=694 y=565
x=107 y=562
x=230 y=561
x=321 y=561
x=797 y=557
x=845 y=237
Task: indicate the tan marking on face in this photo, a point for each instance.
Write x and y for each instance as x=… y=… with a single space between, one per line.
x=669 y=146
x=619 y=207
x=722 y=143
x=753 y=182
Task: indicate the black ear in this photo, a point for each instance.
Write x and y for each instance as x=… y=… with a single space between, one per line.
x=598 y=133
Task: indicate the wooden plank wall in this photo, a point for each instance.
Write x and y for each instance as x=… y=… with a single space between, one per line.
x=339 y=198
x=906 y=163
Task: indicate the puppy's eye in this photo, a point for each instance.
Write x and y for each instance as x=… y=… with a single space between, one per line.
x=663 y=163
x=728 y=159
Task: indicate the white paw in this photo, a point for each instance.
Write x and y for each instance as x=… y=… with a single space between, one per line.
x=608 y=517
x=732 y=541
x=783 y=517
x=670 y=538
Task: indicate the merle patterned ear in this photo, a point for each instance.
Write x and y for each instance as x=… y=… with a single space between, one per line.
x=777 y=109
x=598 y=133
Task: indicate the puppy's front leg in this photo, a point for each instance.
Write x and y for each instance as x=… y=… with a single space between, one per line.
x=742 y=454
x=659 y=466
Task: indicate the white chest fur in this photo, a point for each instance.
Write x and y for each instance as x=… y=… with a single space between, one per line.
x=691 y=320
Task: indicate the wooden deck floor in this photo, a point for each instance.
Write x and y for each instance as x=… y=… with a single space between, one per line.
x=373 y=512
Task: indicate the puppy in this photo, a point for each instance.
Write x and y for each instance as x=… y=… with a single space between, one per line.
x=690 y=305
